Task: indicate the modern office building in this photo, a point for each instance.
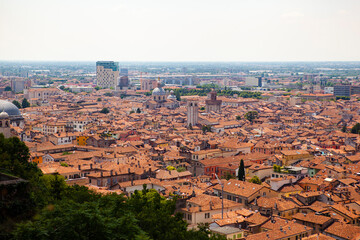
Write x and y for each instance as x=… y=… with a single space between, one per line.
x=17 y=85
x=253 y=81
x=107 y=74
x=342 y=90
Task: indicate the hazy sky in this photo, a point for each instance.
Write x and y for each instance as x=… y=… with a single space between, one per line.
x=180 y=30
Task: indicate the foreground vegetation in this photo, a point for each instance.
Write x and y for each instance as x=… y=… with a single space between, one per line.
x=47 y=208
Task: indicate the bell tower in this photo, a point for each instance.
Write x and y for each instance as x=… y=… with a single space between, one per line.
x=192 y=112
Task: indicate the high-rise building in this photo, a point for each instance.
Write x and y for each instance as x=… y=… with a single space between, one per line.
x=17 y=85
x=342 y=90
x=253 y=81
x=107 y=74
x=192 y=112
x=148 y=84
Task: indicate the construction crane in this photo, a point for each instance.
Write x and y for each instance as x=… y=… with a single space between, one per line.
x=222 y=196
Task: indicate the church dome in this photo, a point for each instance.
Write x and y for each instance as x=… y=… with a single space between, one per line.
x=173 y=97
x=4 y=115
x=158 y=91
x=9 y=108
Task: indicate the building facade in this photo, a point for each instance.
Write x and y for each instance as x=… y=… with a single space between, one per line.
x=212 y=104
x=107 y=74
x=192 y=112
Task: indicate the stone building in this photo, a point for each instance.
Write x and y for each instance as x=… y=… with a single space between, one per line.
x=212 y=104
x=192 y=112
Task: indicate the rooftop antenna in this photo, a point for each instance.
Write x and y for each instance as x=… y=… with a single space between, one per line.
x=222 y=196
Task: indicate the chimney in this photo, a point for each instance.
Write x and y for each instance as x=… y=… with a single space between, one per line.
x=90 y=165
x=199 y=208
x=111 y=172
x=188 y=207
x=132 y=181
x=79 y=167
x=128 y=170
x=101 y=174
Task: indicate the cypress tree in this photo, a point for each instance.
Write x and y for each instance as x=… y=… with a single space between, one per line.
x=241 y=173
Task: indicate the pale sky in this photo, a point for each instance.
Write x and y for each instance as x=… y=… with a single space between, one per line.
x=180 y=30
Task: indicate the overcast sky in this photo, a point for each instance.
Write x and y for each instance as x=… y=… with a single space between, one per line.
x=180 y=30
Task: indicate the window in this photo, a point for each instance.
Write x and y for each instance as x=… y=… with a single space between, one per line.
x=189 y=217
x=207 y=215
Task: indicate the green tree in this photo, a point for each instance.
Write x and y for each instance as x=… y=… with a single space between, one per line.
x=344 y=128
x=190 y=126
x=7 y=89
x=255 y=179
x=99 y=99
x=277 y=168
x=177 y=94
x=206 y=128
x=131 y=112
x=16 y=103
x=25 y=103
x=202 y=108
x=181 y=169
x=251 y=116
x=105 y=111
x=238 y=118
x=241 y=172
x=138 y=110
x=356 y=128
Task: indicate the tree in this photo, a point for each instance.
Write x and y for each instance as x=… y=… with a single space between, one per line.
x=105 y=111
x=251 y=115
x=202 y=108
x=277 y=168
x=181 y=169
x=25 y=103
x=138 y=110
x=16 y=103
x=132 y=111
x=356 y=128
x=241 y=172
x=255 y=179
x=206 y=128
x=7 y=89
x=228 y=176
x=344 y=128
x=190 y=126
x=177 y=94
x=170 y=168
x=238 y=118
x=99 y=99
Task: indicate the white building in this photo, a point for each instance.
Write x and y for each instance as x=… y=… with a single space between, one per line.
x=107 y=74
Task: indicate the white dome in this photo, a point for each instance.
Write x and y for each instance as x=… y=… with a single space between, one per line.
x=158 y=91
x=4 y=115
x=171 y=97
